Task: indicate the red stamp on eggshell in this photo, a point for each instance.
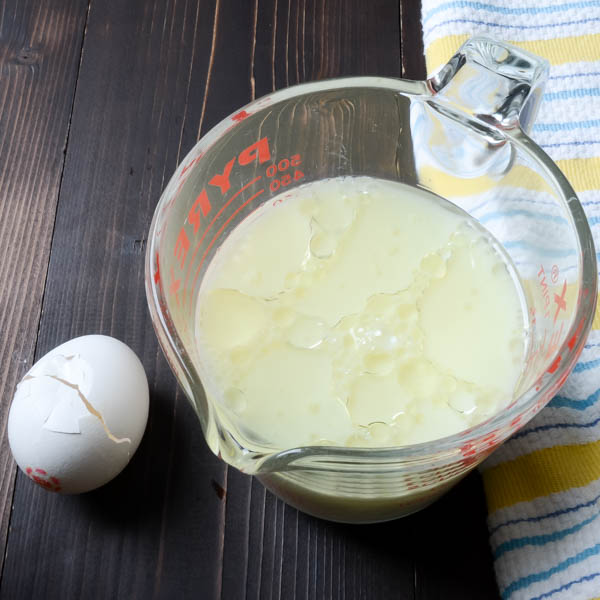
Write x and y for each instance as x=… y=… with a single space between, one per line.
x=41 y=477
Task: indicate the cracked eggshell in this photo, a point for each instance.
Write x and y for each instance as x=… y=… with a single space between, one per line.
x=79 y=414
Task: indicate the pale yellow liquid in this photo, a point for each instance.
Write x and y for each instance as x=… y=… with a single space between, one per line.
x=359 y=312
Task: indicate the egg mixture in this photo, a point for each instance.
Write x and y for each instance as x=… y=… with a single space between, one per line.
x=359 y=312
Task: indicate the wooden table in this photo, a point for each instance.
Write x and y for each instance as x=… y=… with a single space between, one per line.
x=99 y=101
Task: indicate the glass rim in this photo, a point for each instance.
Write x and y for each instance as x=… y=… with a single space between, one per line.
x=270 y=459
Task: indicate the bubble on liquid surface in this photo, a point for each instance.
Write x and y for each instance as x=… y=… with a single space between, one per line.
x=322 y=244
x=307 y=333
x=463 y=401
x=380 y=434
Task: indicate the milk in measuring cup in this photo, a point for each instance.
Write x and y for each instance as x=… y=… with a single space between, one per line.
x=359 y=312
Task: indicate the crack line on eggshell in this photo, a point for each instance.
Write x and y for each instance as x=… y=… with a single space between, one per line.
x=90 y=408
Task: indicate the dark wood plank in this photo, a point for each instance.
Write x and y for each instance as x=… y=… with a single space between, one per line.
x=413 y=59
x=40 y=45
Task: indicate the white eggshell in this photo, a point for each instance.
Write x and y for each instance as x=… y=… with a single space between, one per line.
x=79 y=414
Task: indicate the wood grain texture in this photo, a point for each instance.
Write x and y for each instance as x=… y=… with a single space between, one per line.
x=413 y=58
x=273 y=551
x=40 y=45
x=178 y=523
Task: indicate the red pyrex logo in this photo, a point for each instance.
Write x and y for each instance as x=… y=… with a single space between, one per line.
x=202 y=208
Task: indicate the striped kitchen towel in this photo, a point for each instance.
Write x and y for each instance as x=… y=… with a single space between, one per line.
x=543 y=485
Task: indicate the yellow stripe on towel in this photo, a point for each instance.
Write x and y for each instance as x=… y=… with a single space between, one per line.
x=557 y=51
x=583 y=173
x=596 y=322
x=543 y=472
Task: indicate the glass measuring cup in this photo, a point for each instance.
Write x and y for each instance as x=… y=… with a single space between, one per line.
x=462 y=135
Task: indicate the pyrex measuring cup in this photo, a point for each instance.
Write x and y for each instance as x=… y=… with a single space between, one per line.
x=461 y=134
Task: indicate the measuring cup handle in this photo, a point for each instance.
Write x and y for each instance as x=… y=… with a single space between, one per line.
x=494 y=82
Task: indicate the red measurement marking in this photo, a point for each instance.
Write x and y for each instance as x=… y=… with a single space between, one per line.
x=190 y=165
x=284 y=165
x=554 y=366
x=208 y=227
x=468 y=450
x=560 y=301
x=41 y=471
x=239 y=117
x=233 y=214
x=554 y=273
x=285 y=180
x=175 y=284
x=157 y=273
x=576 y=335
